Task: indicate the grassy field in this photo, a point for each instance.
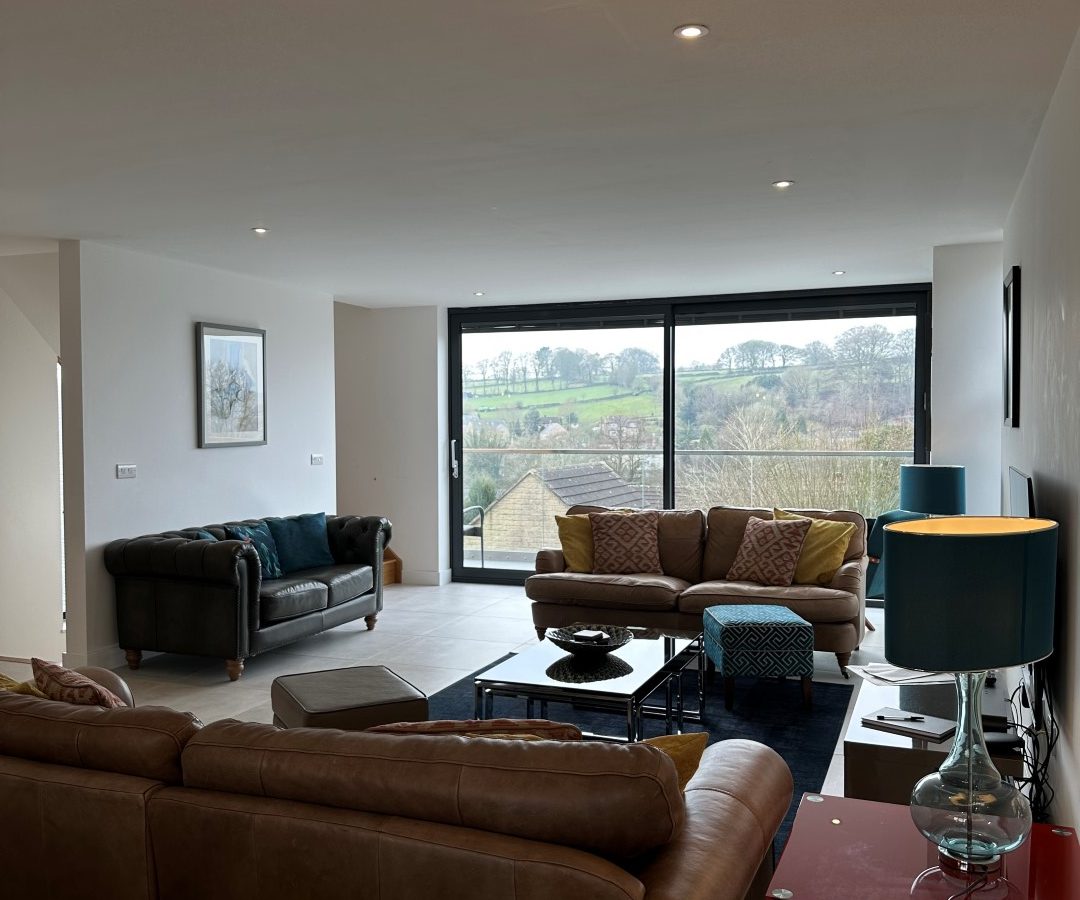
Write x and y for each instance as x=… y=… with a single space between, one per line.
x=591 y=403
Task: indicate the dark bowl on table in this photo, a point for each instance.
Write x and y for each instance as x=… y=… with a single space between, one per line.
x=617 y=637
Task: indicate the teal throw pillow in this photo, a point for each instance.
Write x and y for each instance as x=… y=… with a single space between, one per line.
x=301 y=542
x=201 y=534
x=260 y=536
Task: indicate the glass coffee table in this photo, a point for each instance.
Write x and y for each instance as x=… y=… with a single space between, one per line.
x=622 y=682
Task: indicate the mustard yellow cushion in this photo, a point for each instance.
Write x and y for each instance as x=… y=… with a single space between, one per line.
x=684 y=749
x=575 y=535
x=823 y=550
x=20 y=687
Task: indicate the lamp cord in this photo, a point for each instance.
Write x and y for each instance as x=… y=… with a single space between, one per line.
x=1039 y=744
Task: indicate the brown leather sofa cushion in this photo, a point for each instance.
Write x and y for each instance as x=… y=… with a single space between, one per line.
x=813 y=602
x=455 y=781
x=343 y=583
x=213 y=845
x=617 y=591
x=726 y=525
x=286 y=598
x=145 y=741
x=681 y=536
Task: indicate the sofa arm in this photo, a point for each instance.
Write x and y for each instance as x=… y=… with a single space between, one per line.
x=358 y=539
x=175 y=557
x=851 y=577
x=734 y=805
x=550 y=561
x=109 y=680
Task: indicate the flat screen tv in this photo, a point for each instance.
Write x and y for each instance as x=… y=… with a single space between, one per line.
x=1021 y=494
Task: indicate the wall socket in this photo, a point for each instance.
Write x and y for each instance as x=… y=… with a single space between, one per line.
x=125 y=470
x=316 y=459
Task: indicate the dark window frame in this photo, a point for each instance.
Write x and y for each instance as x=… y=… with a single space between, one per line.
x=668 y=313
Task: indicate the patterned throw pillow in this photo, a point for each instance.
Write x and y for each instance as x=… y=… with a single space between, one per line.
x=260 y=536
x=58 y=683
x=769 y=552
x=536 y=729
x=626 y=544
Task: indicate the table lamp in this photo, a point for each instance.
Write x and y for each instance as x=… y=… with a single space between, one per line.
x=967 y=594
x=935 y=490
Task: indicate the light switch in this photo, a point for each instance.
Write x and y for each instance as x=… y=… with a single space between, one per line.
x=316 y=459
x=125 y=470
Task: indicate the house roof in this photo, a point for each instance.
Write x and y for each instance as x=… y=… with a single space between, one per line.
x=596 y=483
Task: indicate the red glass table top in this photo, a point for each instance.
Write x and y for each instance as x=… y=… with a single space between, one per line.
x=842 y=849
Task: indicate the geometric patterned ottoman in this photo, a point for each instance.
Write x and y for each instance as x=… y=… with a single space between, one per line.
x=762 y=641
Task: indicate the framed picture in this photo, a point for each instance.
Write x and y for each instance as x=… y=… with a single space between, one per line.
x=1011 y=349
x=231 y=366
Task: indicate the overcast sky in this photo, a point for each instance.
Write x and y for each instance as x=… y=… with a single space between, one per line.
x=693 y=343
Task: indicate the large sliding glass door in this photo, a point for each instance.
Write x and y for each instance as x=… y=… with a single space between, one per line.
x=550 y=417
x=816 y=413
x=808 y=399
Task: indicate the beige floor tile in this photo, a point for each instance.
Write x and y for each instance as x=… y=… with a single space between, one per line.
x=450 y=654
x=509 y=608
x=488 y=628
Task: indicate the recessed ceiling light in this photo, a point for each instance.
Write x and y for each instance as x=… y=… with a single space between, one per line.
x=691 y=32
x=261 y=229
x=478 y=293
x=783 y=184
x=839 y=272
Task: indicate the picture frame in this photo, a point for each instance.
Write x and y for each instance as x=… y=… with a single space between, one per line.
x=230 y=365
x=1011 y=348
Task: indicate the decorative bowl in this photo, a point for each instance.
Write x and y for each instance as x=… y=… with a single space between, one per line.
x=565 y=638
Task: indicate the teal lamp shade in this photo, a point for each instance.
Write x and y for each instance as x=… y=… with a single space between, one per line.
x=969 y=593
x=935 y=490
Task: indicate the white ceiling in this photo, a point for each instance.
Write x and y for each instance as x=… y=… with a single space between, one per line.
x=415 y=151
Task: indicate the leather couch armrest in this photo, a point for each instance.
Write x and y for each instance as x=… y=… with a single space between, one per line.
x=358 y=539
x=734 y=805
x=109 y=680
x=550 y=561
x=851 y=577
x=155 y=556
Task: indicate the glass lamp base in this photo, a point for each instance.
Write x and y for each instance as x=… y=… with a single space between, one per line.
x=965 y=808
x=956 y=879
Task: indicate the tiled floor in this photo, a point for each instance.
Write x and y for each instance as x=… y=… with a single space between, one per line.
x=432 y=636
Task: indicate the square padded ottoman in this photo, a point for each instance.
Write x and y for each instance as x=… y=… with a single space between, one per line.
x=352 y=699
x=761 y=641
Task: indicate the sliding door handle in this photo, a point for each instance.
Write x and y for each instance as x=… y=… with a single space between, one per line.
x=455 y=470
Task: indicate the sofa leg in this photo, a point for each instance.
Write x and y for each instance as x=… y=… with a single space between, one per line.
x=235 y=668
x=808 y=692
x=541 y=633
x=729 y=692
x=843 y=659
x=370 y=621
x=869 y=625
x=134 y=658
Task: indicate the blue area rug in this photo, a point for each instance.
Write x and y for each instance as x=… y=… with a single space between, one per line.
x=766 y=710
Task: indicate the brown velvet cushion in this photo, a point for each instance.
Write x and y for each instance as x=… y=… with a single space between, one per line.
x=625 y=543
x=769 y=551
x=58 y=683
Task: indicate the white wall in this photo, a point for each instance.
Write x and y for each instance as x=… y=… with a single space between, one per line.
x=30 y=580
x=128 y=320
x=966 y=369
x=392 y=429
x=1042 y=236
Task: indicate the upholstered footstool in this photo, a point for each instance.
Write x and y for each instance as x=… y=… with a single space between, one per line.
x=761 y=641
x=352 y=699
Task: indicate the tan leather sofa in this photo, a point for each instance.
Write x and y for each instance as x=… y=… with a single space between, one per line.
x=144 y=803
x=696 y=551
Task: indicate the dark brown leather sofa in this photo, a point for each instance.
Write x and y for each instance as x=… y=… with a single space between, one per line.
x=176 y=593
x=134 y=804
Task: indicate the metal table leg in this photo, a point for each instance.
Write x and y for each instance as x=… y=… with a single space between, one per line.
x=478 y=701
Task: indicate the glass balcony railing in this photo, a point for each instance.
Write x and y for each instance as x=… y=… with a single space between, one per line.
x=514 y=494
